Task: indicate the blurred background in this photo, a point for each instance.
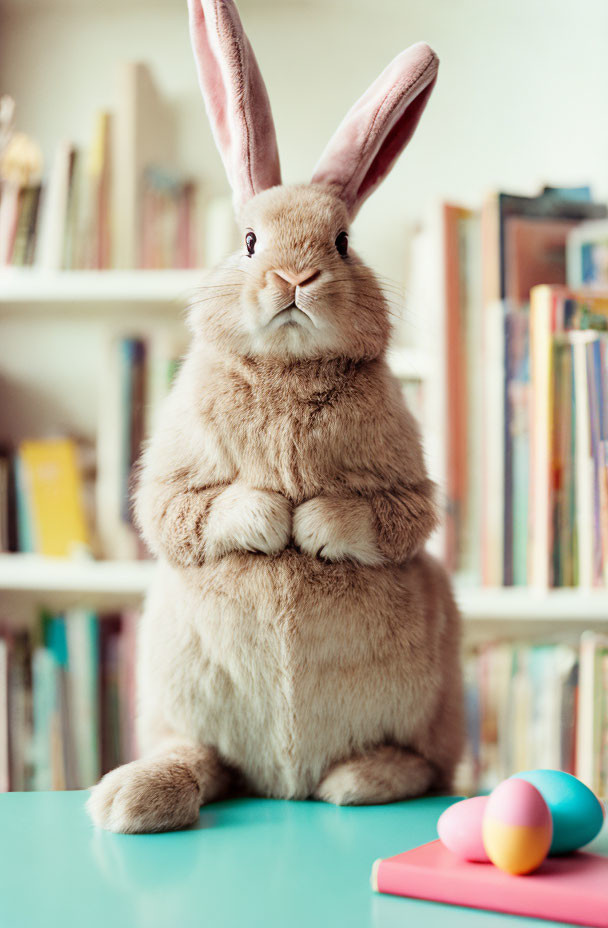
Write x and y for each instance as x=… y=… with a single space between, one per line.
x=518 y=103
x=491 y=238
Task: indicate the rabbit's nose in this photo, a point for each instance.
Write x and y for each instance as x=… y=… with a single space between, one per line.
x=302 y=279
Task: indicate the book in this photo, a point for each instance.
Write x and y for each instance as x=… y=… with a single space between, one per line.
x=133 y=384
x=456 y=373
x=121 y=430
x=47 y=754
x=67 y=699
x=524 y=238
x=572 y=888
x=591 y=721
x=583 y=488
x=82 y=632
x=50 y=499
x=111 y=737
x=493 y=453
x=567 y=399
x=62 y=731
x=20 y=721
x=25 y=531
x=54 y=209
x=23 y=247
x=166 y=220
x=517 y=448
x=7 y=526
x=523 y=710
x=98 y=205
x=587 y=255
x=74 y=233
x=145 y=136
x=534 y=253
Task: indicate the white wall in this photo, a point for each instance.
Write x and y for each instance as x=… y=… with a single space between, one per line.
x=521 y=97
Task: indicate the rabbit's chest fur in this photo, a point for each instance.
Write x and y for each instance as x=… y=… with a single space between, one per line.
x=287 y=434
x=287 y=665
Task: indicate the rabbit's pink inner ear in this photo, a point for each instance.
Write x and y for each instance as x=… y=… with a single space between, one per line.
x=235 y=97
x=378 y=127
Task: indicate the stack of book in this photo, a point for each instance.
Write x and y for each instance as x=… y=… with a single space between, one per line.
x=67 y=693
x=20 y=171
x=525 y=391
x=139 y=373
x=58 y=498
x=566 y=431
x=536 y=705
x=167 y=221
x=118 y=204
x=67 y=705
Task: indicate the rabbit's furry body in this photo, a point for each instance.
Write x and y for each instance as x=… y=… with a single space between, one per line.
x=287 y=663
x=296 y=641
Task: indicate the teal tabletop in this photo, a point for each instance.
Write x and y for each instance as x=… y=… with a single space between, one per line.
x=247 y=863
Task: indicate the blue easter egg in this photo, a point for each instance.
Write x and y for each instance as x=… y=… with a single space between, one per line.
x=577 y=813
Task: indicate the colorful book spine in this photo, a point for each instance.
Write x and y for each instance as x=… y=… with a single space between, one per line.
x=82 y=632
x=50 y=498
x=67 y=705
x=493 y=464
x=67 y=700
x=97 y=207
x=524 y=705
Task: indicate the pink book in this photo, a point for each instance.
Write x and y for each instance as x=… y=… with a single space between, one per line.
x=572 y=889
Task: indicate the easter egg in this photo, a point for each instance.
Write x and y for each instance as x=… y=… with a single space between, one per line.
x=517 y=827
x=577 y=813
x=459 y=828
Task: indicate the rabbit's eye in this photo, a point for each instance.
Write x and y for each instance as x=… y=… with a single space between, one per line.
x=342 y=244
x=250 y=241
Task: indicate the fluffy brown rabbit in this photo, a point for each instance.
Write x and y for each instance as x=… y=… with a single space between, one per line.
x=296 y=641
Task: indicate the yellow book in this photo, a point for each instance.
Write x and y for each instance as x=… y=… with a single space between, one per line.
x=53 y=487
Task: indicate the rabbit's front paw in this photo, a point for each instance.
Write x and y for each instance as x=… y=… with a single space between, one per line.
x=243 y=519
x=148 y=795
x=336 y=530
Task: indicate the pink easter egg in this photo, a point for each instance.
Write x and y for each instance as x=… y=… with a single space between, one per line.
x=460 y=829
x=517 y=827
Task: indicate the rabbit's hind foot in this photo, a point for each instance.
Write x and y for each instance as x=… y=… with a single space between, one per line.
x=386 y=774
x=160 y=792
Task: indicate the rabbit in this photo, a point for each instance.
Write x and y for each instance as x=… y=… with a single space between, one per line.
x=297 y=641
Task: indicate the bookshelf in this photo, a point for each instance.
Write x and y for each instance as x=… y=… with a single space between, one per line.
x=100 y=297
x=55 y=324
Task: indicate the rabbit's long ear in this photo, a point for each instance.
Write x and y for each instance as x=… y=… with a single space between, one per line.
x=235 y=97
x=378 y=127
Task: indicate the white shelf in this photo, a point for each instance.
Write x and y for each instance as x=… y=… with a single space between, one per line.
x=36 y=577
x=521 y=604
x=30 y=287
